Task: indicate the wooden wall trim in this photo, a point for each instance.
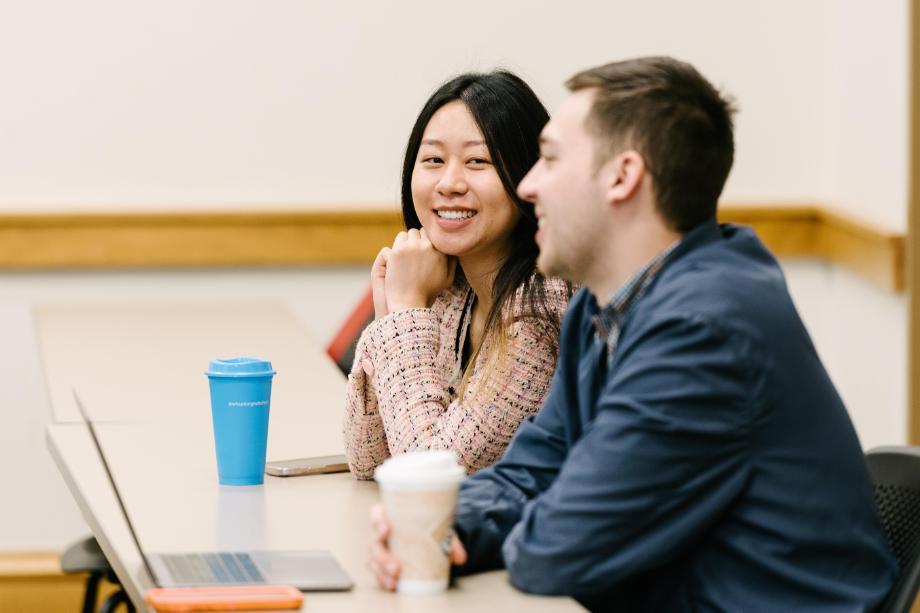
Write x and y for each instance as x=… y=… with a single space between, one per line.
x=175 y=240
x=875 y=253
x=145 y=240
x=34 y=564
x=32 y=582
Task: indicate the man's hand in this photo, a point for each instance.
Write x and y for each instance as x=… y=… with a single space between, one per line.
x=381 y=560
x=416 y=272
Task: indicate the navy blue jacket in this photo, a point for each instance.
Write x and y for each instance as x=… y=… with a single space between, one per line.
x=710 y=466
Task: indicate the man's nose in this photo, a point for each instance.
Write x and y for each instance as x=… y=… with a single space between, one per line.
x=527 y=188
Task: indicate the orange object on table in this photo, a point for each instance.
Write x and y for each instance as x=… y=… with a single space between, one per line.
x=224 y=598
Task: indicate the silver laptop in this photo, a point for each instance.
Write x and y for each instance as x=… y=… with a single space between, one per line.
x=305 y=570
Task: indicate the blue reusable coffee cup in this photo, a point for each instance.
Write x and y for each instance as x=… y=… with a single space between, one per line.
x=241 y=390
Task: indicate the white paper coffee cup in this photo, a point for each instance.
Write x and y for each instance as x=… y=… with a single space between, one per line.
x=419 y=491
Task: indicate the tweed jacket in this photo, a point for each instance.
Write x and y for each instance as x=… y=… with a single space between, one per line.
x=403 y=392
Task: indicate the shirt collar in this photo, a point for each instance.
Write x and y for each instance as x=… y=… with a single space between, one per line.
x=611 y=315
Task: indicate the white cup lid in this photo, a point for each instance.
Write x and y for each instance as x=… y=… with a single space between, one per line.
x=420 y=469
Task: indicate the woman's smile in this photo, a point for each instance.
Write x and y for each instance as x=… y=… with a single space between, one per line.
x=454 y=219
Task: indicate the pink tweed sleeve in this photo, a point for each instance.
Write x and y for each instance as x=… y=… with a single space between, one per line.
x=398 y=398
x=365 y=441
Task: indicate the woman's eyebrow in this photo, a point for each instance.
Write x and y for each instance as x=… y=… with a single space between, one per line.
x=438 y=143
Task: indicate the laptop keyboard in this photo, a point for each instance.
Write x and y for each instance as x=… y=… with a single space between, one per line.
x=205 y=568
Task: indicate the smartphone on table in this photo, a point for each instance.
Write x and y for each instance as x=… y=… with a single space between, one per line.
x=307 y=466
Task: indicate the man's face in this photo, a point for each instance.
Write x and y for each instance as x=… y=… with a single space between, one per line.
x=567 y=194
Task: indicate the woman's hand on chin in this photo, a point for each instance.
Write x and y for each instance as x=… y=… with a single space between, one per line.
x=415 y=272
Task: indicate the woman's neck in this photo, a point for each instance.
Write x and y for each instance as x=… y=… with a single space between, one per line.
x=480 y=274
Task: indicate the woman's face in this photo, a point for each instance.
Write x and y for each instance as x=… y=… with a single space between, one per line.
x=458 y=195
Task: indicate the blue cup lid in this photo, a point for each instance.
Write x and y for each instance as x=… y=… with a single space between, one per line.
x=240 y=367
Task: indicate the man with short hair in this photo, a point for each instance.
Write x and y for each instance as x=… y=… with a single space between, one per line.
x=692 y=453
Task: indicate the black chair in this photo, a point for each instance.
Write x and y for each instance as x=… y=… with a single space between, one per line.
x=86 y=557
x=895 y=475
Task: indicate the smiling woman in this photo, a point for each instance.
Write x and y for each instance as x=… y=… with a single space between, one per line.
x=466 y=332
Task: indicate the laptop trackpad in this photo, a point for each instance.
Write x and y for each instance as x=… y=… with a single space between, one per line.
x=307 y=570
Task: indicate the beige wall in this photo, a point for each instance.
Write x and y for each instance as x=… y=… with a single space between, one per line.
x=229 y=101
x=219 y=103
x=868 y=110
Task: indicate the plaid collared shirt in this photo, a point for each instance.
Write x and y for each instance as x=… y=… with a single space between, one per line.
x=610 y=318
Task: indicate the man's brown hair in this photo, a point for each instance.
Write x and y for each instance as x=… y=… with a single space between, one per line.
x=672 y=116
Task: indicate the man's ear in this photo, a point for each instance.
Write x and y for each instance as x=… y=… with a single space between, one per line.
x=622 y=176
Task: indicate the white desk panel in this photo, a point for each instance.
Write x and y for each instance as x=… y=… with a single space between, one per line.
x=147 y=362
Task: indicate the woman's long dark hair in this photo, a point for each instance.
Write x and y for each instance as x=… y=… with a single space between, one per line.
x=510 y=117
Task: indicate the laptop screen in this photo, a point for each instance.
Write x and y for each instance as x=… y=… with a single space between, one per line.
x=121 y=503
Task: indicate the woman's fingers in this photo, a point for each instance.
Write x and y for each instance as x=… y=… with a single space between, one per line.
x=401 y=238
x=416 y=271
x=378 y=283
x=426 y=242
x=411 y=238
x=380 y=262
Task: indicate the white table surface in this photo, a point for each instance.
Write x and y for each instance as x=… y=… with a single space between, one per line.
x=139 y=374
x=148 y=362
